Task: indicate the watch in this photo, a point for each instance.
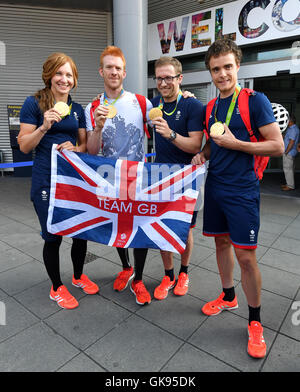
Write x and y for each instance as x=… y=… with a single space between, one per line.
x=173 y=135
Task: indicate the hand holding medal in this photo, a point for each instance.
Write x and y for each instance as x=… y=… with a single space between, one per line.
x=106 y=110
x=159 y=123
x=222 y=136
x=55 y=114
x=101 y=114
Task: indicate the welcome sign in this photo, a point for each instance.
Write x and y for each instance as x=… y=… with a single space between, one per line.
x=244 y=21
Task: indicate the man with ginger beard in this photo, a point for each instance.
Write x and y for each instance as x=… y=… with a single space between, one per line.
x=121 y=136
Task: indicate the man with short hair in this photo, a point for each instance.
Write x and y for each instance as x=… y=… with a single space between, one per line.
x=291 y=139
x=231 y=201
x=121 y=135
x=178 y=136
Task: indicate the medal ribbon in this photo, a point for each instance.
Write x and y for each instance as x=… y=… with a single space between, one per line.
x=70 y=108
x=105 y=101
x=161 y=104
x=231 y=106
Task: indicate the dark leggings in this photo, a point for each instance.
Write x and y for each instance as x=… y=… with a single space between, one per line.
x=51 y=259
x=139 y=255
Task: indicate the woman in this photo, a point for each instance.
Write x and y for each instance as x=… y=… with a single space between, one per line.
x=41 y=127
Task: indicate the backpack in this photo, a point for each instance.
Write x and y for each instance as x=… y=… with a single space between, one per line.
x=260 y=162
x=142 y=102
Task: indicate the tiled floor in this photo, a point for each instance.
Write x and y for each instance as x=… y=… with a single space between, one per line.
x=109 y=332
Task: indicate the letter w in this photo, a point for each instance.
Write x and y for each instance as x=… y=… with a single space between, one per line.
x=178 y=39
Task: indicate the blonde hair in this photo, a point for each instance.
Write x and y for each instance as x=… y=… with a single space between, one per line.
x=112 y=51
x=50 y=67
x=167 y=60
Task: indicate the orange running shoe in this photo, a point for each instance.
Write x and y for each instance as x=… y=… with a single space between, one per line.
x=215 y=307
x=123 y=278
x=63 y=298
x=161 y=291
x=139 y=290
x=256 y=344
x=182 y=284
x=85 y=284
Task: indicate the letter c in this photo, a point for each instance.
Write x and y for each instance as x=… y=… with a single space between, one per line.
x=244 y=28
x=279 y=22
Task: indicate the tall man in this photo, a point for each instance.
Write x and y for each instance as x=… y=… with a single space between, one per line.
x=178 y=136
x=121 y=136
x=231 y=202
x=291 y=139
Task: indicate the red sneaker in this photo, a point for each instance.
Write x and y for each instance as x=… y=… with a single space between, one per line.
x=123 y=278
x=161 y=291
x=182 y=285
x=85 y=284
x=63 y=298
x=256 y=344
x=139 y=290
x=215 y=307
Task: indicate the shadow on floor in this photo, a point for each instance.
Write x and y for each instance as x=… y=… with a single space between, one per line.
x=270 y=184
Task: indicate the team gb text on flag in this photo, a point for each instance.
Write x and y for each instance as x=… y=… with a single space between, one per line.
x=122 y=203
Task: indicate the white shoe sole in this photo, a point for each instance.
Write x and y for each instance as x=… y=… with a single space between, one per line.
x=170 y=288
x=221 y=310
x=82 y=288
x=139 y=303
x=62 y=307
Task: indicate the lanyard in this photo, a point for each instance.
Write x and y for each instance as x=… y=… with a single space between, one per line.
x=70 y=108
x=161 y=103
x=231 y=106
x=105 y=101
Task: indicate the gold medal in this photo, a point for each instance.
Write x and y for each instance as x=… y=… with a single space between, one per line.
x=217 y=129
x=154 y=113
x=62 y=108
x=112 y=111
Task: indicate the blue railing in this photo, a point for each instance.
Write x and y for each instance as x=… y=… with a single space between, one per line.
x=30 y=163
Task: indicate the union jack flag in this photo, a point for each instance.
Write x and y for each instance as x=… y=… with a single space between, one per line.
x=122 y=203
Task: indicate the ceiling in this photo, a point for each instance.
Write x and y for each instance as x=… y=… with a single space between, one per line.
x=169 y=8
x=99 y=5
